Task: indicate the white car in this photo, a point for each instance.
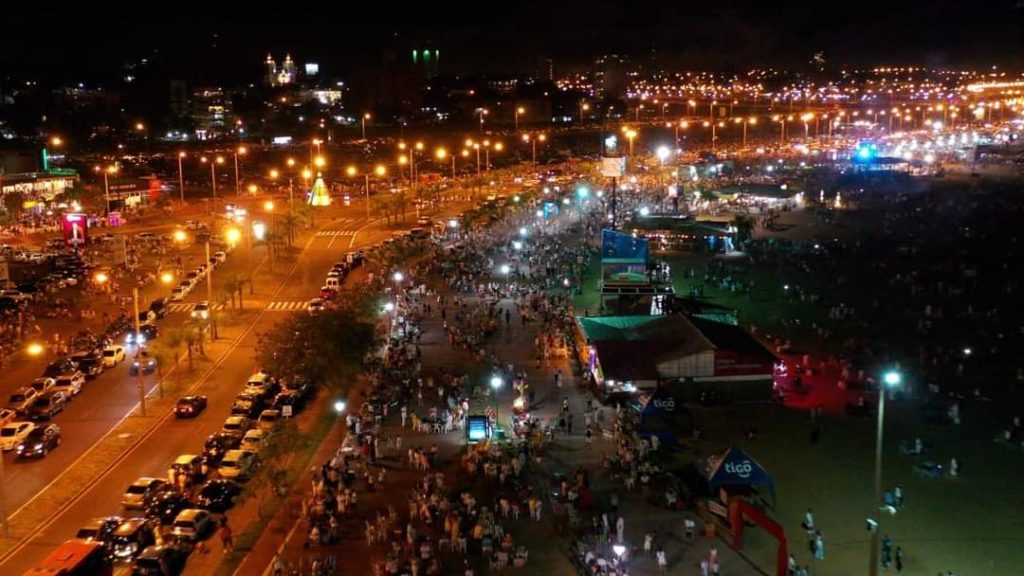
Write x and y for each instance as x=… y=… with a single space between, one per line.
x=43 y=385
x=70 y=384
x=113 y=355
x=178 y=294
x=253 y=440
x=237 y=424
x=237 y=464
x=7 y=416
x=12 y=434
x=201 y=309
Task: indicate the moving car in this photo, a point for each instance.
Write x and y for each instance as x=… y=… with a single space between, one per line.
x=201 y=310
x=147 y=363
x=39 y=441
x=178 y=294
x=189 y=406
x=12 y=434
x=218 y=495
x=159 y=307
x=146 y=333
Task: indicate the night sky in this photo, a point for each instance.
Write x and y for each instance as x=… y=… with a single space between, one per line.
x=510 y=37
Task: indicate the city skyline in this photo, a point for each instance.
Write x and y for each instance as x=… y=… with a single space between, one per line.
x=735 y=36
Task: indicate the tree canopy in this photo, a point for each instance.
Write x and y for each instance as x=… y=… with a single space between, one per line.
x=326 y=348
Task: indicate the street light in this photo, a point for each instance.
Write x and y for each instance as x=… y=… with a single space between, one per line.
x=106 y=183
x=891 y=379
x=630 y=135
x=482 y=112
x=213 y=172
x=241 y=151
x=519 y=111
x=365 y=117
x=496 y=384
x=181 y=177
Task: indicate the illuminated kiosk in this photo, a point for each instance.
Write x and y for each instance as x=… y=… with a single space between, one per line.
x=628 y=276
x=319 y=195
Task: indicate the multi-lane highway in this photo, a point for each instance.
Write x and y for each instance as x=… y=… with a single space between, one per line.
x=114 y=394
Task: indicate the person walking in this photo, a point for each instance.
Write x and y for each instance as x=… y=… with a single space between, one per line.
x=227 y=538
x=620 y=529
x=886 y=552
x=819 y=546
x=899 y=559
x=808 y=523
x=662 y=560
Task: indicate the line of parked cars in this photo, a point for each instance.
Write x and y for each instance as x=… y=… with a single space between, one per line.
x=194 y=276
x=158 y=542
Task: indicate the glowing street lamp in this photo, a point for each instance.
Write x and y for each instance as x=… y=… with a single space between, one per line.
x=34 y=349
x=363 y=120
x=241 y=151
x=890 y=379
x=496 y=384
x=519 y=110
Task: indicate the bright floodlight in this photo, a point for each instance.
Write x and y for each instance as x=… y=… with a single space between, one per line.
x=339 y=406
x=663 y=153
x=389 y=306
x=453 y=223
x=644 y=211
x=505 y=269
x=399 y=277
x=517 y=245
x=496 y=382
x=892 y=378
x=968 y=351
x=523 y=231
x=619 y=550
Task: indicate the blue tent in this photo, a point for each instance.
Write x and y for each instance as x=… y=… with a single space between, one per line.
x=736 y=468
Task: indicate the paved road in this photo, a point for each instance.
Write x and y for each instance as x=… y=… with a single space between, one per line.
x=96 y=413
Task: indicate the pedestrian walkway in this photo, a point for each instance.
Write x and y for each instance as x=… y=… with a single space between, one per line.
x=287 y=306
x=330 y=233
x=188 y=306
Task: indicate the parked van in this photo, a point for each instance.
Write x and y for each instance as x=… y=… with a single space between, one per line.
x=333 y=282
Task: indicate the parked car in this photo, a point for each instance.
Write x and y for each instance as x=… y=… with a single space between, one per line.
x=268 y=419
x=141 y=491
x=161 y=560
x=60 y=367
x=237 y=464
x=89 y=363
x=218 y=444
x=99 y=530
x=192 y=524
x=218 y=495
x=254 y=440
x=131 y=538
x=159 y=307
x=7 y=416
x=315 y=305
x=189 y=406
x=247 y=404
x=43 y=385
x=70 y=384
x=178 y=294
x=237 y=424
x=39 y=441
x=48 y=405
x=13 y=433
x=21 y=399
x=113 y=355
x=165 y=506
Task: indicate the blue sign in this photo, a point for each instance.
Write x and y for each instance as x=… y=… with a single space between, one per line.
x=476 y=428
x=618 y=245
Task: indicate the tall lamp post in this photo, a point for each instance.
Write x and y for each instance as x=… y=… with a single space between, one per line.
x=241 y=151
x=213 y=171
x=891 y=379
x=106 y=183
x=519 y=111
x=181 y=177
x=496 y=383
x=365 y=117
